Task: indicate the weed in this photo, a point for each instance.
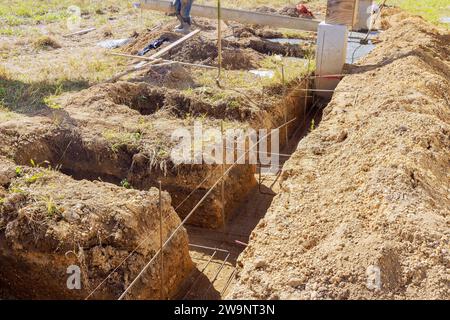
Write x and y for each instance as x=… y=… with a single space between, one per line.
x=9 y=32
x=19 y=172
x=51 y=103
x=234 y=104
x=162 y=154
x=35 y=177
x=16 y=190
x=50 y=204
x=125 y=184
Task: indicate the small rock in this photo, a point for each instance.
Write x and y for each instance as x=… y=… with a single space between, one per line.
x=71 y=216
x=342 y=136
x=295 y=282
x=260 y=263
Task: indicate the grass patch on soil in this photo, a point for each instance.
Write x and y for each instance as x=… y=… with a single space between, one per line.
x=117 y=139
x=40 y=87
x=31 y=12
x=46 y=42
x=431 y=10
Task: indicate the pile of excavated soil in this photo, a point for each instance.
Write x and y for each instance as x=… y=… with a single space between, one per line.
x=363 y=212
x=49 y=222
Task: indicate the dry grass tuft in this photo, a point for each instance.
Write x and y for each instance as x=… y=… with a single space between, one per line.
x=46 y=42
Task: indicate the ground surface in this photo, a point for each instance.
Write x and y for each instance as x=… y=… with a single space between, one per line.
x=60 y=119
x=364 y=202
x=62 y=128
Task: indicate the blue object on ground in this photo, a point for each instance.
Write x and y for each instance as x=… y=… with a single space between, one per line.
x=153 y=45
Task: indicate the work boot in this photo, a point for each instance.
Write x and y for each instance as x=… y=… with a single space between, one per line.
x=180 y=26
x=185 y=28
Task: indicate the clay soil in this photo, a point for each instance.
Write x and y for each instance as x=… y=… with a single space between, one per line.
x=364 y=201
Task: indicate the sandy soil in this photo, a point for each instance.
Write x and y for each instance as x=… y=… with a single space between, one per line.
x=363 y=212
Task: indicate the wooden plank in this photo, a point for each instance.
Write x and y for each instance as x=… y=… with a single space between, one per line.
x=80 y=32
x=243 y=16
x=341 y=12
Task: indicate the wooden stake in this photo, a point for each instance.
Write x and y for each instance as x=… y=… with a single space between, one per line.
x=79 y=32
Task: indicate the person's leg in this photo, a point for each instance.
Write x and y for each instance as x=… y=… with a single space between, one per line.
x=186 y=10
x=177 y=5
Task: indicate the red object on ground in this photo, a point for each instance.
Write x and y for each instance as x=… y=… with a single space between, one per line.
x=303 y=11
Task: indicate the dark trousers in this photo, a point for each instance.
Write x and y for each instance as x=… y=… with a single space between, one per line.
x=183 y=9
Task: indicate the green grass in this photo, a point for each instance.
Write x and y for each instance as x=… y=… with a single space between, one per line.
x=431 y=10
x=32 y=12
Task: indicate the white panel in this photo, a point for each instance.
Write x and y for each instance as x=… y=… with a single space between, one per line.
x=330 y=55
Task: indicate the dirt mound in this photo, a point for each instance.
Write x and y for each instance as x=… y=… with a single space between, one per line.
x=244 y=59
x=145 y=38
x=363 y=212
x=49 y=222
x=201 y=50
x=204 y=50
x=124 y=97
x=172 y=76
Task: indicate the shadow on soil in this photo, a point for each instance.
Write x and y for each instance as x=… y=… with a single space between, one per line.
x=30 y=98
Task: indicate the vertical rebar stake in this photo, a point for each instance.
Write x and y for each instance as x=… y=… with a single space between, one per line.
x=307 y=85
x=161 y=243
x=283 y=80
x=219 y=38
x=223 y=178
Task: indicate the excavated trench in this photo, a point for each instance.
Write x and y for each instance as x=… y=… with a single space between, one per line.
x=215 y=252
x=246 y=198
